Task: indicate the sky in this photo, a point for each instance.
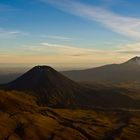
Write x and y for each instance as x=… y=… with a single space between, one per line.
x=68 y=34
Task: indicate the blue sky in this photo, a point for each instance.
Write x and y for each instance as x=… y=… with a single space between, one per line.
x=69 y=33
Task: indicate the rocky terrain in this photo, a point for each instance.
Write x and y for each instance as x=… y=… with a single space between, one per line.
x=22 y=119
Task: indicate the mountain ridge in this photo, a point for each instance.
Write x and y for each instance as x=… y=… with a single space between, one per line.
x=135 y=60
x=115 y=73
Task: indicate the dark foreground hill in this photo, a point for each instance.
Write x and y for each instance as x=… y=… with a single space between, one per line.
x=55 y=90
x=114 y=73
x=48 y=85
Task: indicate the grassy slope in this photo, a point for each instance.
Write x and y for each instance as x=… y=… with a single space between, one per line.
x=22 y=119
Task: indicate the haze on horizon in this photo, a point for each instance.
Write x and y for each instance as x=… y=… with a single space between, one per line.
x=68 y=34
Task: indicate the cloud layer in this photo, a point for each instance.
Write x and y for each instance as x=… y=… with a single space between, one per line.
x=127 y=26
x=10 y=33
x=71 y=57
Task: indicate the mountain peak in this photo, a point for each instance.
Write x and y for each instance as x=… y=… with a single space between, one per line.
x=134 y=60
x=48 y=85
x=38 y=76
x=42 y=68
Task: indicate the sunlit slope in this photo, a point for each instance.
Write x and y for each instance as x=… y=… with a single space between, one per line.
x=22 y=119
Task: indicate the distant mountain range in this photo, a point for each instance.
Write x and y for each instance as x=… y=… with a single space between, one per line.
x=112 y=73
x=51 y=88
x=124 y=72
